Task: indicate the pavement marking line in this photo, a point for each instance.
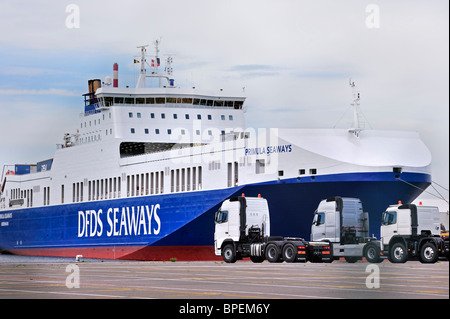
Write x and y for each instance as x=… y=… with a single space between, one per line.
x=61 y=293
x=245 y=294
x=316 y=286
x=250 y=284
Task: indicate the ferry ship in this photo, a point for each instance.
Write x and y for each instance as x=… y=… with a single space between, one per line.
x=147 y=168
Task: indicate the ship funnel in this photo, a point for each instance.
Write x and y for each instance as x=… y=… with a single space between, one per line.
x=93 y=85
x=115 y=75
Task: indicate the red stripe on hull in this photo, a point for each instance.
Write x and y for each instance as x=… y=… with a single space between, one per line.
x=154 y=253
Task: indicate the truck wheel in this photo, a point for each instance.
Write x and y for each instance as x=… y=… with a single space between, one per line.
x=229 y=254
x=398 y=253
x=272 y=253
x=289 y=253
x=257 y=259
x=372 y=254
x=351 y=259
x=428 y=253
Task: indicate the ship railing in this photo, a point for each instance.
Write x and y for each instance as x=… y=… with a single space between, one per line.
x=94 y=109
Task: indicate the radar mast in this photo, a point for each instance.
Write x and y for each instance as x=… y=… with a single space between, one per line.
x=155 y=63
x=356 y=112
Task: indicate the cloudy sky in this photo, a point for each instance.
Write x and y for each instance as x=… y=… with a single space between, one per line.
x=294 y=58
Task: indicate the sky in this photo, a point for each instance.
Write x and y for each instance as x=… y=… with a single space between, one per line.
x=293 y=59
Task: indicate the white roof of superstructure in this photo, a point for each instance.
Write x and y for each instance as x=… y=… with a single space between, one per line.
x=168 y=91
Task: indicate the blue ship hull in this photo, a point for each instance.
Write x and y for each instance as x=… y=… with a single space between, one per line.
x=181 y=225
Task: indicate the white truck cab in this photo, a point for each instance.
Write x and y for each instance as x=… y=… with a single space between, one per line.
x=339 y=218
x=342 y=222
x=252 y=212
x=410 y=230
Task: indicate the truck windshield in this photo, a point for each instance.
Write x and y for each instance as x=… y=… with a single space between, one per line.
x=221 y=217
x=389 y=218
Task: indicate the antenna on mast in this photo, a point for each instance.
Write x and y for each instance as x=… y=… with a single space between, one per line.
x=356 y=113
x=156 y=62
x=154 y=65
x=141 y=80
x=169 y=68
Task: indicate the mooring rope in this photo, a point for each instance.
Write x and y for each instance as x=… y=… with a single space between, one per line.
x=423 y=190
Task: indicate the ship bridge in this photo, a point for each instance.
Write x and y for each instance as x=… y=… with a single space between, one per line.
x=147 y=120
x=168 y=97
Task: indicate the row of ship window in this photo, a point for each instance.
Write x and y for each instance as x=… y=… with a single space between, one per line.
x=163 y=116
x=169 y=131
x=146 y=130
x=97 y=137
x=184 y=179
x=175 y=116
x=95 y=121
x=21 y=197
x=108 y=101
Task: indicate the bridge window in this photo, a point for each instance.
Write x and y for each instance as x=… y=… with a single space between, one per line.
x=238 y=104
x=108 y=100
